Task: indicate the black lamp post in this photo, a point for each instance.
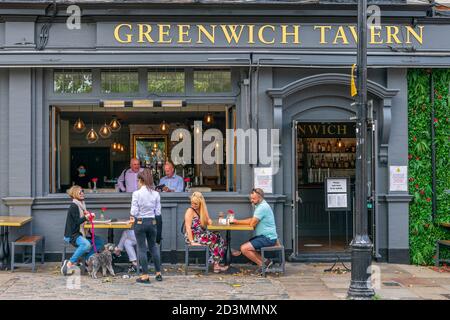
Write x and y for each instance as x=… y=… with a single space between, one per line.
x=360 y=286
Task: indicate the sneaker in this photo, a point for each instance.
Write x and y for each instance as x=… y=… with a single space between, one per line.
x=158 y=277
x=64 y=268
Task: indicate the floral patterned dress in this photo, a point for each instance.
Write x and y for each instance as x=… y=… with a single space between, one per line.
x=217 y=245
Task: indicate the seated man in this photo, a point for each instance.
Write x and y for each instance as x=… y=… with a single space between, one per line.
x=265 y=230
x=171 y=182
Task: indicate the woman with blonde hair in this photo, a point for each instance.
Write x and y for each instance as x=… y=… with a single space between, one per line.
x=74 y=233
x=196 y=220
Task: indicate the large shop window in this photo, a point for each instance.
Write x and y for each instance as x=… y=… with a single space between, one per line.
x=166 y=81
x=120 y=81
x=72 y=81
x=145 y=134
x=212 y=80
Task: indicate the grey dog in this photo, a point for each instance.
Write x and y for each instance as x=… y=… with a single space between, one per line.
x=102 y=260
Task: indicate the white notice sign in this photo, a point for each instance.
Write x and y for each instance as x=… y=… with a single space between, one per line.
x=336 y=185
x=338 y=200
x=263 y=179
x=398 y=178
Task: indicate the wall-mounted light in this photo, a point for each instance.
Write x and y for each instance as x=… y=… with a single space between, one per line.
x=143 y=103
x=112 y=103
x=173 y=103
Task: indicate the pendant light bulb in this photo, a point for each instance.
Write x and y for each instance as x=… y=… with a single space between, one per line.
x=105 y=131
x=209 y=118
x=92 y=136
x=115 y=125
x=79 y=126
x=122 y=148
x=164 y=127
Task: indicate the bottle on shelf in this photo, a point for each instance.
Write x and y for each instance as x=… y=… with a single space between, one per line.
x=322 y=162
x=328 y=146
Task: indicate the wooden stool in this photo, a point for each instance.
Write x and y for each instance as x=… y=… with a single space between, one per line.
x=27 y=241
x=279 y=248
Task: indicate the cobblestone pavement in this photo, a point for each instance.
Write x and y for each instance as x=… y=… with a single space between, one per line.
x=301 y=281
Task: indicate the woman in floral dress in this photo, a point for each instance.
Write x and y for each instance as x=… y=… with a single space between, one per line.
x=196 y=220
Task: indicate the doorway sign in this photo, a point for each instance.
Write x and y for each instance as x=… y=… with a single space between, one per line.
x=337 y=194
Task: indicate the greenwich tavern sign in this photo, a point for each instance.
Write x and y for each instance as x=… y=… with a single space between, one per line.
x=248 y=35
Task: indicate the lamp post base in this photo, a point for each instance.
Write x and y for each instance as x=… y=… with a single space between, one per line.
x=360 y=285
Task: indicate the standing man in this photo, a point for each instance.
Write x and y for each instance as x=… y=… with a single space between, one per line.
x=128 y=181
x=263 y=221
x=171 y=182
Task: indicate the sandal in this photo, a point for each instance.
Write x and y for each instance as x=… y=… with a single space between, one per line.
x=219 y=268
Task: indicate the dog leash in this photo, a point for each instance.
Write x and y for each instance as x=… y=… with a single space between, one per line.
x=91 y=220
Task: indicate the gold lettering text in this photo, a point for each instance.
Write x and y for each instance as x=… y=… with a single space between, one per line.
x=391 y=32
x=227 y=29
x=323 y=33
x=261 y=34
x=117 y=33
x=340 y=34
x=183 y=31
x=374 y=34
x=210 y=36
x=410 y=31
x=163 y=32
x=145 y=33
x=251 y=31
x=285 y=34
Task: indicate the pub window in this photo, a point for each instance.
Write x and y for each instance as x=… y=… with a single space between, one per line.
x=144 y=134
x=120 y=81
x=166 y=81
x=212 y=80
x=72 y=81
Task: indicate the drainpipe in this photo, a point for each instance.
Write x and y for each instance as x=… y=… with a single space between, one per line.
x=433 y=151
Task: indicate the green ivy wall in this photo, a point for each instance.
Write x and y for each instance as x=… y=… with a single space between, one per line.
x=423 y=230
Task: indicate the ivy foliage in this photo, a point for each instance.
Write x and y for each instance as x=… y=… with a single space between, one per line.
x=424 y=231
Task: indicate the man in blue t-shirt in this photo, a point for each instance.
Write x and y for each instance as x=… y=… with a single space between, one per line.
x=263 y=221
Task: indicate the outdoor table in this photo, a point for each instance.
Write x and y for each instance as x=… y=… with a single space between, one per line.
x=228 y=228
x=110 y=226
x=5 y=223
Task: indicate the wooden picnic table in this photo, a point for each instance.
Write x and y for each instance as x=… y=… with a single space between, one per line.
x=215 y=226
x=121 y=224
x=5 y=223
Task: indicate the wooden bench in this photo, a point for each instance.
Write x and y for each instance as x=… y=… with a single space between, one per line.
x=281 y=260
x=26 y=241
x=441 y=243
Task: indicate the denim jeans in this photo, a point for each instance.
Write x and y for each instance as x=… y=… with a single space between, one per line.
x=147 y=230
x=84 y=247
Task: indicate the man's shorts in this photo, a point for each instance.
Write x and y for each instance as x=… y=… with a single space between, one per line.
x=259 y=242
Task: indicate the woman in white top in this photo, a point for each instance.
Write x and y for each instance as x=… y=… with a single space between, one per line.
x=145 y=206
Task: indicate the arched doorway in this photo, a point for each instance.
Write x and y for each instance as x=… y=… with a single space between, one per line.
x=316 y=117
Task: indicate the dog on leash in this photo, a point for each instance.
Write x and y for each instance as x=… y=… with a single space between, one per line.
x=102 y=260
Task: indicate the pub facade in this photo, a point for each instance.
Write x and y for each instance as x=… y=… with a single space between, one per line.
x=100 y=83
